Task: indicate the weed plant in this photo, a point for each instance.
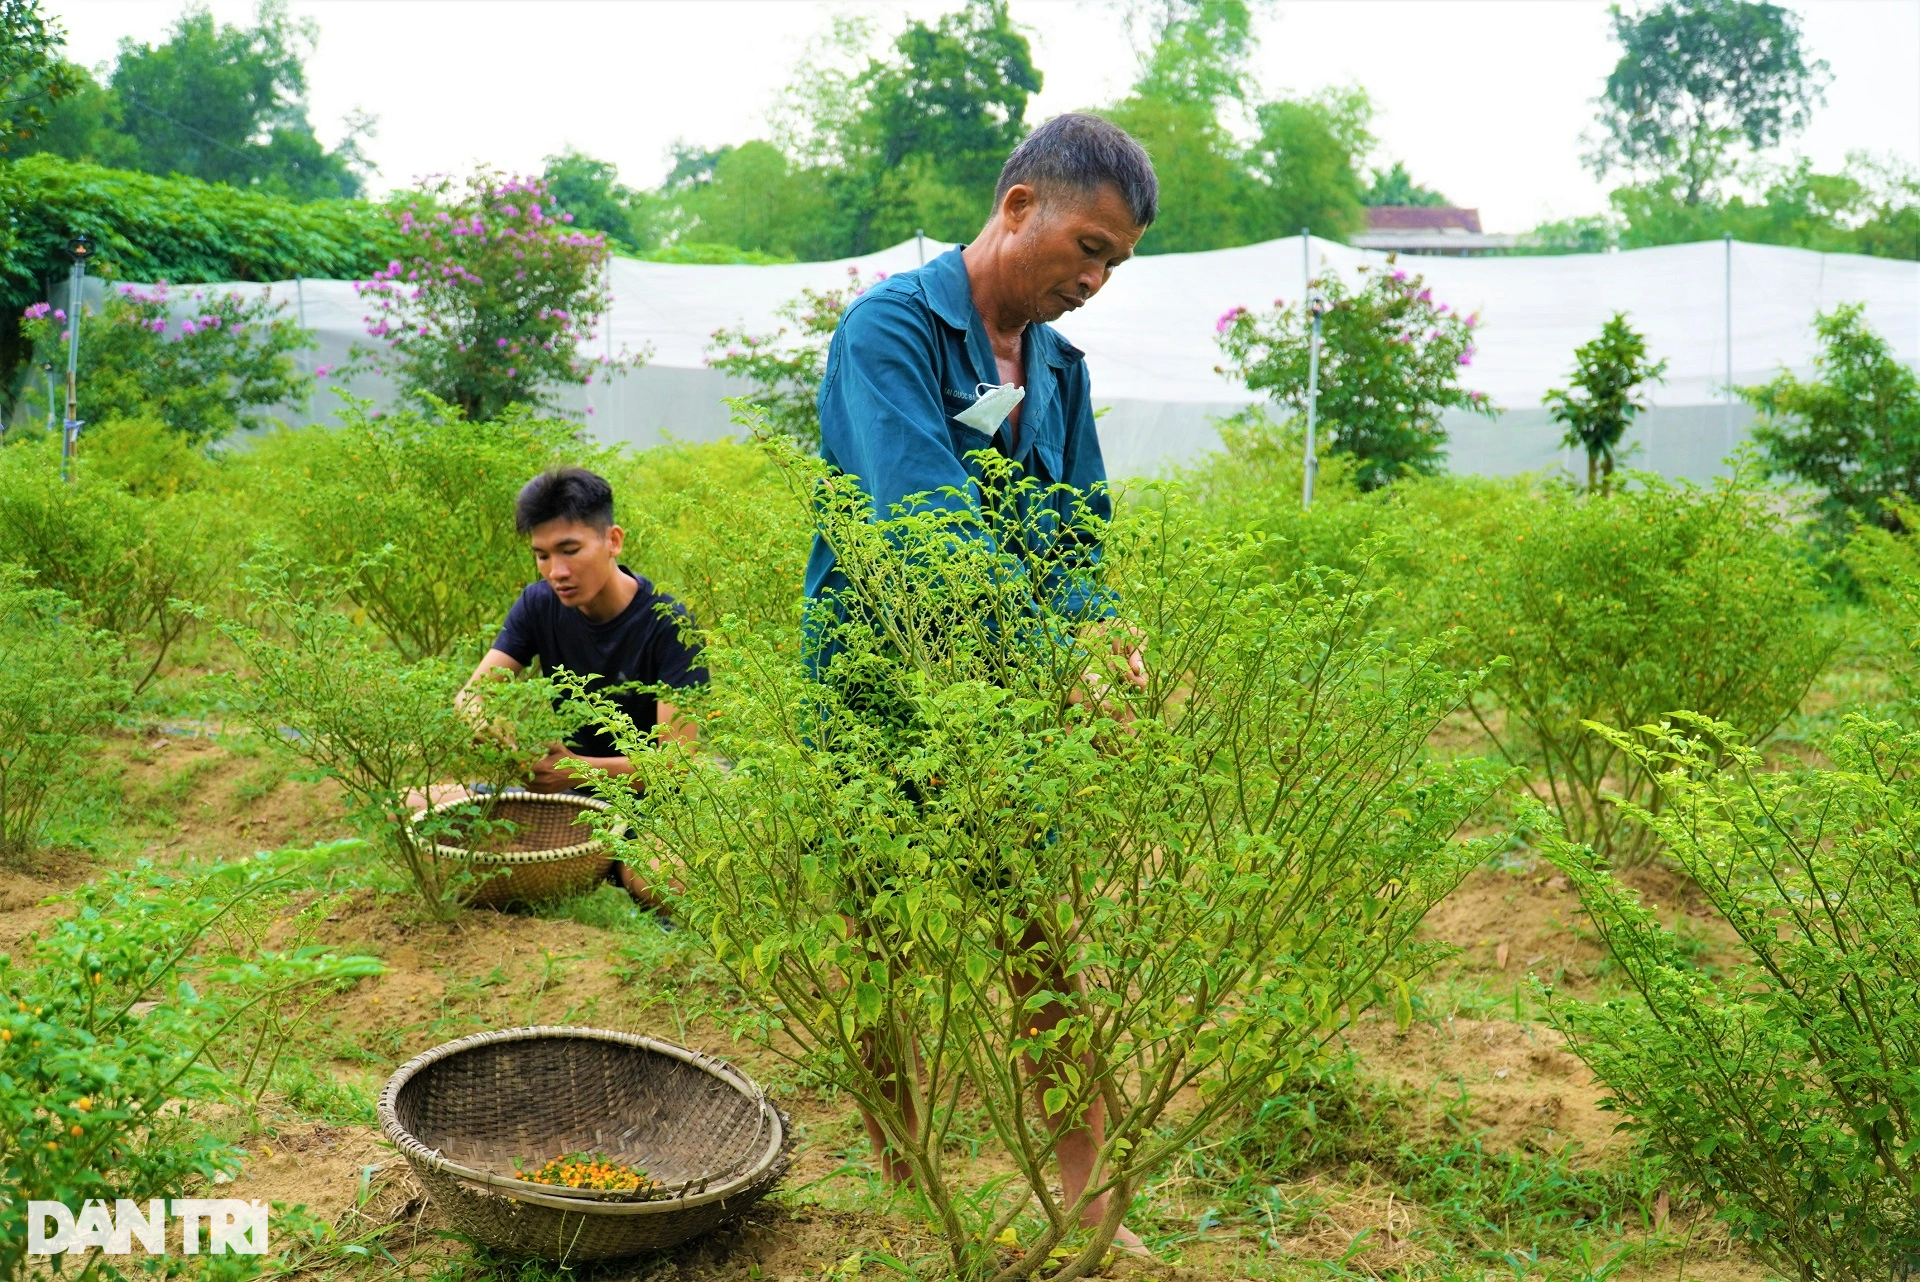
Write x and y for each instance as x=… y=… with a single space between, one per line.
x=1475 y=1206
x=1056 y=894
x=1621 y=610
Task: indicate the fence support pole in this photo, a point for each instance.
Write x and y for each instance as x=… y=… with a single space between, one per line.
x=1311 y=462
x=1313 y=403
x=1727 y=242
x=70 y=430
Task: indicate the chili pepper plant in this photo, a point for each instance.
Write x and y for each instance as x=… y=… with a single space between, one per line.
x=951 y=853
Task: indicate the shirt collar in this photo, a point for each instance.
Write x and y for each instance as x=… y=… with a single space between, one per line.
x=951 y=298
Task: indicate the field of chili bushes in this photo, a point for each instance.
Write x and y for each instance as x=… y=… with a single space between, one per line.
x=1574 y=830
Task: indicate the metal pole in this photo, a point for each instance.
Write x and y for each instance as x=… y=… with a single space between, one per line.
x=1311 y=464
x=1727 y=241
x=1306 y=266
x=920 y=238
x=1313 y=398
x=70 y=431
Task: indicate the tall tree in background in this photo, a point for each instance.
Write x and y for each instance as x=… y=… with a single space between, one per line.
x=222 y=103
x=33 y=76
x=1195 y=69
x=1305 y=165
x=1697 y=81
x=1395 y=186
x=942 y=118
x=868 y=150
x=1301 y=170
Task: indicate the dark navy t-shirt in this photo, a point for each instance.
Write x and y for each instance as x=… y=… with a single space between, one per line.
x=640 y=644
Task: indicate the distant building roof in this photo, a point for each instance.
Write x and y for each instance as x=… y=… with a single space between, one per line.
x=1422 y=218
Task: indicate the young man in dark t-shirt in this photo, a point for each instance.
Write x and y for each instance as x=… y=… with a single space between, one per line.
x=594 y=617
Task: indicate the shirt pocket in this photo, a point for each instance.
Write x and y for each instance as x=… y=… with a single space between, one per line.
x=965 y=439
x=1048 y=462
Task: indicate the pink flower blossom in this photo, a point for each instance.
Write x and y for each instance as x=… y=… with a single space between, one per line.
x=323 y=371
x=1231 y=315
x=38 y=310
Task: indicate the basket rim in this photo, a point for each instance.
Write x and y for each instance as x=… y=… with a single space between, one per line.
x=772 y=1124
x=511 y=858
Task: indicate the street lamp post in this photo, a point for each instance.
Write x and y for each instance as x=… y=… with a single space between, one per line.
x=81 y=248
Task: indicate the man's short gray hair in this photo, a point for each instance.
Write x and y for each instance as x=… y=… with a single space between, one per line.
x=1085 y=153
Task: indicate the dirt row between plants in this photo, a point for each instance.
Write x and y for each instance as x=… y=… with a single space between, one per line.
x=1465 y=1057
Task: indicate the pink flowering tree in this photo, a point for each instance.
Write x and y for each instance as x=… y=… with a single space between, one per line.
x=786 y=366
x=492 y=300
x=204 y=362
x=1391 y=361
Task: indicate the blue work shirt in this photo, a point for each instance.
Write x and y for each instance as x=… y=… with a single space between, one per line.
x=909 y=354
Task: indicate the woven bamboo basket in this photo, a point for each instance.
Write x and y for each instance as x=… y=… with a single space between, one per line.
x=551 y=852
x=465 y=1113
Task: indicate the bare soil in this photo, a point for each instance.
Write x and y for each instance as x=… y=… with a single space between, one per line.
x=194 y=796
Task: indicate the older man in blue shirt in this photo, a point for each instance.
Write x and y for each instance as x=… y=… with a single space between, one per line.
x=921 y=374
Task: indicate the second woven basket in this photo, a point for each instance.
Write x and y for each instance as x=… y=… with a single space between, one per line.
x=547 y=848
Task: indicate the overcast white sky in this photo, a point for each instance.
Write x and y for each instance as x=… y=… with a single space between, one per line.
x=1484 y=99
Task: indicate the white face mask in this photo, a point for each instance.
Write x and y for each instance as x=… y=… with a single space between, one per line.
x=991 y=410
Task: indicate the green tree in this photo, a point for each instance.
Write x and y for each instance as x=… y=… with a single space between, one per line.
x=33 y=76
x=753 y=197
x=1699 y=79
x=1199 y=53
x=1300 y=170
x=1202 y=184
x=591 y=191
x=228 y=104
x=1395 y=186
x=82 y=124
x=934 y=126
x=1608 y=373
x=1303 y=167
x=1853 y=430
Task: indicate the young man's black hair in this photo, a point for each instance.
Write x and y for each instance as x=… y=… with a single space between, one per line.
x=564 y=494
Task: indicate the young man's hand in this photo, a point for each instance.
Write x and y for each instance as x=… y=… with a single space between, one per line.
x=1119 y=658
x=562 y=768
